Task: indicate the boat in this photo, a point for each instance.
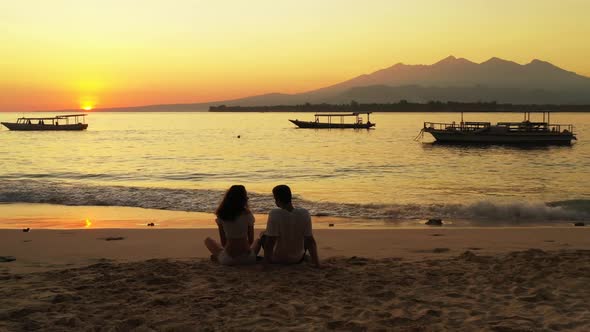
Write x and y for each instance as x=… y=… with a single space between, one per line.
x=523 y=132
x=58 y=122
x=317 y=124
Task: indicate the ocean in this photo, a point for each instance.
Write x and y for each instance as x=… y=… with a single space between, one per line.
x=185 y=161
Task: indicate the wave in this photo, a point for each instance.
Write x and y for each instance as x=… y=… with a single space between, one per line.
x=204 y=200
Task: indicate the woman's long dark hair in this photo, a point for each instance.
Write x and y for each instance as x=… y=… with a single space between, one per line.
x=234 y=203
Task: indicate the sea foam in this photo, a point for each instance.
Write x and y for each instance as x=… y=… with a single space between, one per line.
x=203 y=200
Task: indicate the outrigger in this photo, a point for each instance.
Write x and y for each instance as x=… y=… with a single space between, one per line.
x=358 y=124
x=58 y=122
x=524 y=132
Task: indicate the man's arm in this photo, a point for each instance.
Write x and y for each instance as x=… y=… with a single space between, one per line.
x=272 y=233
x=309 y=242
x=312 y=247
x=269 y=247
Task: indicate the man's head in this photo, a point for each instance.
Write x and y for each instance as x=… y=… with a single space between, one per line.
x=282 y=194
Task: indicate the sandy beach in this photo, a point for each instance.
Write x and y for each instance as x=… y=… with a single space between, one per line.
x=496 y=279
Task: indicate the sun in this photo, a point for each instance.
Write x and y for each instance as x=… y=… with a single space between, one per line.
x=88 y=103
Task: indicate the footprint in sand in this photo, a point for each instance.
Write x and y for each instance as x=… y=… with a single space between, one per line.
x=112 y=238
x=435 y=250
x=6 y=259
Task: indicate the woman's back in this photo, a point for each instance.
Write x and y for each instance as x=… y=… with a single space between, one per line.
x=237 y=228
x=236 y=233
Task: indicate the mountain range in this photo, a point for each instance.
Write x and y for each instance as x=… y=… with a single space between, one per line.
x=450 y=79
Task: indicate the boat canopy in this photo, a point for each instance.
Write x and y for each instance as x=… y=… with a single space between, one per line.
x=357 y=115
x=54 y=117
x=342 y=114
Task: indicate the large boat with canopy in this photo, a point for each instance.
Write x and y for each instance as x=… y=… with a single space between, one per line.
x=523 y=132
x=58 y=122
x=331 y=121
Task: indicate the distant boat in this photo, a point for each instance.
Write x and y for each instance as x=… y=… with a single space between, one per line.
x=524 y=132
x=357 y=124
x=58 y=122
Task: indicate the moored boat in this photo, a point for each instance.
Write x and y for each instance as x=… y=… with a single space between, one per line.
x=524 y=132
x=58 y=122
x=317 y=124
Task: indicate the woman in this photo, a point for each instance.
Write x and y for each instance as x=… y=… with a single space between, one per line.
x=236 y=229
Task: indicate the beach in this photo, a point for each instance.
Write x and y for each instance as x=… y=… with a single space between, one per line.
x=427 y=279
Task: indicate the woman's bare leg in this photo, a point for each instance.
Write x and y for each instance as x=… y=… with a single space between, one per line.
x=214 y=247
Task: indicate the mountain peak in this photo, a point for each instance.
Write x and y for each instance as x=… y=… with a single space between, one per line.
x=537 y=62
x=451 y=60
x=495 y=60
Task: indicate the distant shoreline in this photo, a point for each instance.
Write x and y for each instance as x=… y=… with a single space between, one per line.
x=403 y=106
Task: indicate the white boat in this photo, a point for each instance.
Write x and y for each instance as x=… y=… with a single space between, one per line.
x=523 y=132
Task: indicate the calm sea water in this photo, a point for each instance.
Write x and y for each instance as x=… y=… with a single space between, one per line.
x=184 y=161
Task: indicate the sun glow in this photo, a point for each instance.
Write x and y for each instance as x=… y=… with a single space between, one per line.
x=88 y=101
x=88 y=223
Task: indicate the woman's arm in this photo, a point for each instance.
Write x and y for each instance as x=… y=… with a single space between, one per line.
x=250 y=234
x=221 y=234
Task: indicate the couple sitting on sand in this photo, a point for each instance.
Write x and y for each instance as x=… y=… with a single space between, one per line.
x=287 y=237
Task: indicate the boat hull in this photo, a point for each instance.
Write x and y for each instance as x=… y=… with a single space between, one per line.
x=510 y=138
x=47 y=127
x=323 y=125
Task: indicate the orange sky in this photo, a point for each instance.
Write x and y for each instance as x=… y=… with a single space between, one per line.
x=66 y=54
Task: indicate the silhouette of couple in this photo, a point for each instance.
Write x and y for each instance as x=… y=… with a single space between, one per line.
x=287 y=237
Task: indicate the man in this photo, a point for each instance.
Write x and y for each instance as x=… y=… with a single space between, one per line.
x=288 y=231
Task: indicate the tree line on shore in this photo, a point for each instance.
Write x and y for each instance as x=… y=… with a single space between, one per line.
x=406 y=106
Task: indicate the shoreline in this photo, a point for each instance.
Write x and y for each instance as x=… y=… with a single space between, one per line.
x=72 y=217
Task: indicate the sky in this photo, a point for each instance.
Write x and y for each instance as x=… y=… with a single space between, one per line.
x=63 y=54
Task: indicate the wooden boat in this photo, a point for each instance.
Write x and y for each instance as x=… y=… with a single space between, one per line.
x=524 y=132
x=58 y=122
x=317 y=124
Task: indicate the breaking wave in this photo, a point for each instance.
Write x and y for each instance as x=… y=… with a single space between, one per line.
x=200 y=200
